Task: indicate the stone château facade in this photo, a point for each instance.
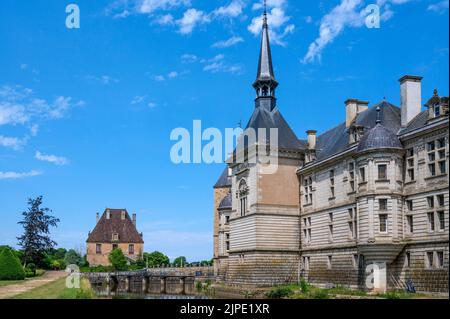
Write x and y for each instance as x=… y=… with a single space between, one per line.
x=114 y=230
x=366 y=198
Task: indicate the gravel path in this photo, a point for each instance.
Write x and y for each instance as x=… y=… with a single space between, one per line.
x=15 y=289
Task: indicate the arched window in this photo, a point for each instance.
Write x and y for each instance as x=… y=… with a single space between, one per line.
x=243 y=192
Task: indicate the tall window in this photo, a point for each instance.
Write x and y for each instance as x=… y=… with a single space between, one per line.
x=383 y=222
x=351 y=176
x=410 y=165
x=408 y=259
x=362 y=174
x=410 y=223
x=227 y=242
x=330 y=226
x=243 y=192
x=436 y=157
x=431 y=222
x=352 y=223
x=436 y=215
x=131 y=249
x=330 y=262
x=307 y=184
x=98 y=248
x=306 y=261
x=307 y=229
x=332 y=183
x=382 y=172
x=429 y=259
x=382 y=204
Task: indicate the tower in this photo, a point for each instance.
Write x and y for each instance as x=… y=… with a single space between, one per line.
x=263 y=241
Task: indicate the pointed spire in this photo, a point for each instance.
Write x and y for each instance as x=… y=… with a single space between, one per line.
x=265 y=83
x=265 y=67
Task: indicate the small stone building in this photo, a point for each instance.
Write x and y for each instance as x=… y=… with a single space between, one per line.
x=114 y=229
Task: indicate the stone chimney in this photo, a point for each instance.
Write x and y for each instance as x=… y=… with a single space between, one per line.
x=411 y=97
x=362 y=106
x=108 y=214
x=134 y=219
x=312 y=139
x=122 y=215
x=97 y=217
x=351 y=110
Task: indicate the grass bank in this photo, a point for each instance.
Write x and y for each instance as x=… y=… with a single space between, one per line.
x=307 y=291
x=58 y=290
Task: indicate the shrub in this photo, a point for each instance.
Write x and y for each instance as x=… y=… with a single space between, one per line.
x=280 y=292
x=10 y=267
x=85 y=291
x=73 y=258
x=304 y=286
x=118 y=260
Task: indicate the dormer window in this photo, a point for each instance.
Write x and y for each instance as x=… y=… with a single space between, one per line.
x=115 y=236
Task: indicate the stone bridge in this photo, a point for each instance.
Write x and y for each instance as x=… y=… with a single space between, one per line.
x=173 y=281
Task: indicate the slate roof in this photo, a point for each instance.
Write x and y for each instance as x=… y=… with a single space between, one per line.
x=379 y=137
x=336 y=140
x=224 y=180
x=263 y=118
x=226 y=202
x=103 y=231
x=419 y=121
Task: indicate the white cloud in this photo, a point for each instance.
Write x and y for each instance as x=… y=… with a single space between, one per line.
x=189 y=58
x=166 y=19
x=349 y=13
x=103 y=79
x=19 y=106
x=16 y=175
x=228 y=43
x=58 y=160
x=150 y=6
x=332 y=24
x=277 y=20
x=218 y=64
x=138 y=99
x=191 y=18
x=152 y=105
x=34 y=129
x=12 y=142
x=439 y=7
x=172 y=75
x=159 y=78
x=232 y=10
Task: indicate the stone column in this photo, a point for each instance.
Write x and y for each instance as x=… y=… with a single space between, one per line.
x=370 y=202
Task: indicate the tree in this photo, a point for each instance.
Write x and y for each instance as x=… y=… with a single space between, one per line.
x=156 y=259
x=10 y=267
x=118 y=260
x=73 y=258
x=36 y=237
x=180 y=261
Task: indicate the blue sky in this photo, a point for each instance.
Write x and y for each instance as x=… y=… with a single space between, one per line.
x=86 y=114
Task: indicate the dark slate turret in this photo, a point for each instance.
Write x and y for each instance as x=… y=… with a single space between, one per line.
x=379 y=137
x=226 y=202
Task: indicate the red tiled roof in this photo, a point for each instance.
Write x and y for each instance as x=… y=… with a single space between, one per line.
x=105 y=228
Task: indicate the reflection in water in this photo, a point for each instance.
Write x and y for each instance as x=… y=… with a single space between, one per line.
x=106 y=292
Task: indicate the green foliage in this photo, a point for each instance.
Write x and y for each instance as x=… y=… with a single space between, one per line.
x=58 y=264
x=97 y=269
x=280 y=292
x=392 y=295
x=36 y=224
x=118 y=260
x=10 y=267
x=85 y=291
x=320 y=294
x=180 y=261
x=156 y=259
x=30 y=270
x=304 y=286
x=73 y=258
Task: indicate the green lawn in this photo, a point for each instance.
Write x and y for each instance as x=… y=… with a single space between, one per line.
x=57 y=290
